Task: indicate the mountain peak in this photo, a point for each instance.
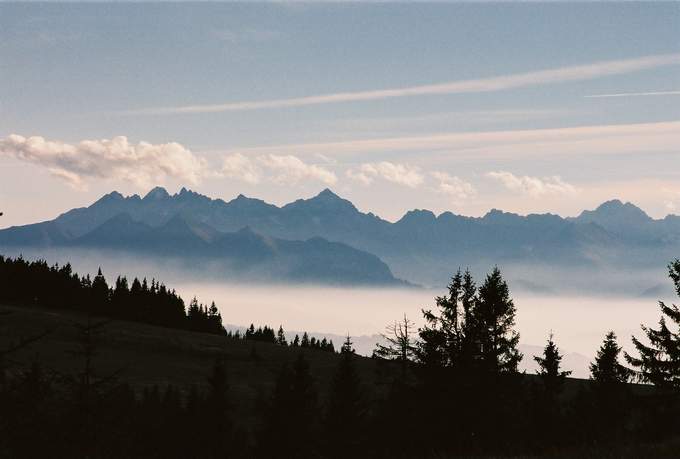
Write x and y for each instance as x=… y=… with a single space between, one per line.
x=326 y=193
x=616 y=209
x=157 y=193
x=325 y=201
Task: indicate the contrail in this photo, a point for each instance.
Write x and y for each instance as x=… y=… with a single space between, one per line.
x=492 y=84
x=635 y=94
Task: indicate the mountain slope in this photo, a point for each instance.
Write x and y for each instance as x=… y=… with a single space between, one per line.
x=421 y=246
x=243 y=255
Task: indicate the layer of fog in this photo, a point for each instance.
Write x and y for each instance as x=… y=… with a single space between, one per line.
x=578 y=322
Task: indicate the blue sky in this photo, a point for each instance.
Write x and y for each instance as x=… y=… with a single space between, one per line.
x=491 y=104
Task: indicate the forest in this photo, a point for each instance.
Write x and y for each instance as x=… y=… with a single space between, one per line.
x=450 y=388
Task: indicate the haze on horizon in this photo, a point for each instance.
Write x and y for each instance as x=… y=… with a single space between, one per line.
x=278 y=101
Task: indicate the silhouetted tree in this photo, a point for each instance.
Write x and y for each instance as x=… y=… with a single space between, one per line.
x=549 y=368
x=494 y=321
x=606 y=369
x=659 y=362
x=281 y=337
x=345 y=414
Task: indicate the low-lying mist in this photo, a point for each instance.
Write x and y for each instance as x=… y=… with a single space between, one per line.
x=579 y=321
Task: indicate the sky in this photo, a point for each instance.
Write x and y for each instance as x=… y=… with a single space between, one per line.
x=525 y=107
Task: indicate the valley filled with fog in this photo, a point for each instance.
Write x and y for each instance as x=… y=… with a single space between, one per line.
x=579 y=321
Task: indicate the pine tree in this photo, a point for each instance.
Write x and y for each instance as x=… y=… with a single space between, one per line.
x=345 y=412
x=494 y=315
x=606 y=369
x=100 y=292
x=549 y=368
x=281 y=337
x=450 y=336
x=659 y=362
x=305 y=340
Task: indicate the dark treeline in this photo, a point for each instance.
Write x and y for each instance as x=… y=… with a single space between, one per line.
x=35 y=283
x=266 y=334
x=448 y=389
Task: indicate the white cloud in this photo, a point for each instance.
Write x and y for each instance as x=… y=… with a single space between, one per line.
x=290 y=169
x=492 y=84
x=455 y=187
x=143 y=164
x=533 y=186
x=401 y=174
x=238 y=166
x=281 y=169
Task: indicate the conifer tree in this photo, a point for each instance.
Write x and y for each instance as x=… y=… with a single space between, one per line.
x=305 y=340
x=347 y=348
x=549 y=368
x=100 y=292
x=281 y=337
x=659 y=362
x=606 y=369
x=494 y=315
x=345 y=412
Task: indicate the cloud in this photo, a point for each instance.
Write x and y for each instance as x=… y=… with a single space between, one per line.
x=142 y=164
x=492 y=84
x=533 y=186
x=454 y=187
x=401 y=174
x=238 y=166
x=634 y=94
x=281 y=169
x=583 y=140
x=290 y=169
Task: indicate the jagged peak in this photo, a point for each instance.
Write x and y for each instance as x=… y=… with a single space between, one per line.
x=418 y=215
x=112 y=196
x=326 y=193
x=157 y=193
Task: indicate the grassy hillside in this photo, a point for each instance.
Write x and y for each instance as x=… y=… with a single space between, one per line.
x=148 y=355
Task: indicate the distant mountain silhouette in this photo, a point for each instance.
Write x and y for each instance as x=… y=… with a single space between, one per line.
x=421 y=246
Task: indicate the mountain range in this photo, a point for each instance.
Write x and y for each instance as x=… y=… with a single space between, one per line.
x=326 y=238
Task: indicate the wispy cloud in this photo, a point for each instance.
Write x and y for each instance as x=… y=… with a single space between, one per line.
x=401 y=174
x=634 y=94
x=491 y=84
x=142 y=164
x=533 y=186
x=590 y=140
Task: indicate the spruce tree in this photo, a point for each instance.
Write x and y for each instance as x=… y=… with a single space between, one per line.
x=549 y=368
x=100 y=292
x=345 y=411
x=281 y=337
x=606 y=369
x=347 y=348
x=494 y=315
x=659 y=362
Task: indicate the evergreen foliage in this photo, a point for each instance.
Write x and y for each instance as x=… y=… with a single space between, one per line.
x=659 y=361
x=606 y=369
x=549 y=368
x=38 y=284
